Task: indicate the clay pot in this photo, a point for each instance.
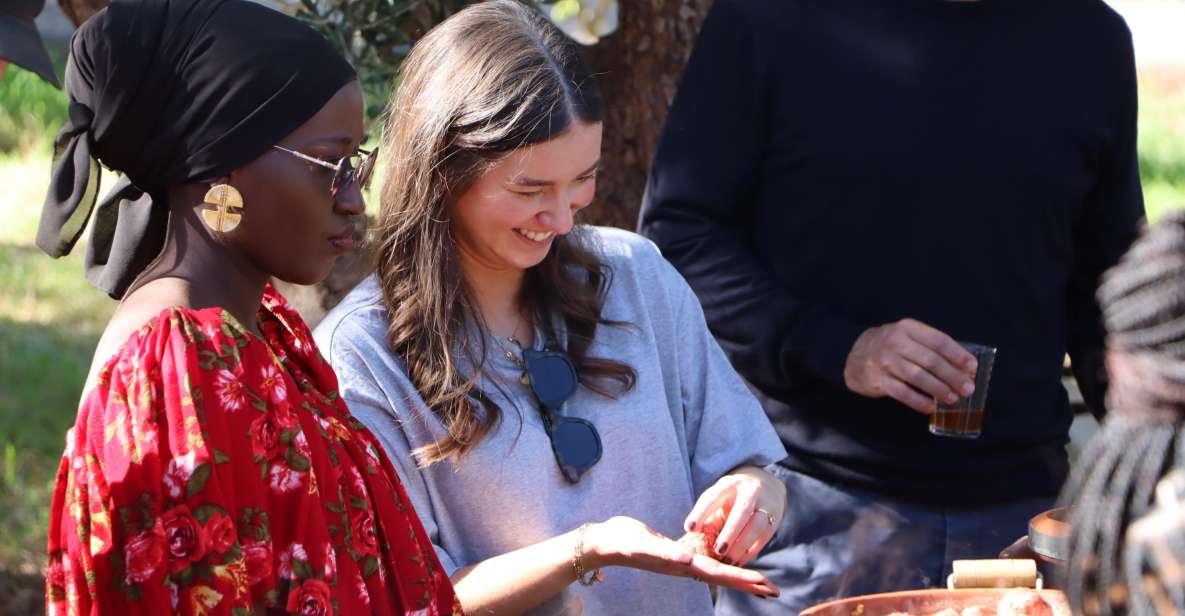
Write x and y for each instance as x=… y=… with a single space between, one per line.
x=928 y=602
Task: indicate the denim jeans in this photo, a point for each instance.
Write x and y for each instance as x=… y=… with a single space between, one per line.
x=838 y=542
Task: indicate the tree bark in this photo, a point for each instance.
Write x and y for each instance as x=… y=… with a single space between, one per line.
x=640 y=66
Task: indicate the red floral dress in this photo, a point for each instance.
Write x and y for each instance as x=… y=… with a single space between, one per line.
x=214 y=472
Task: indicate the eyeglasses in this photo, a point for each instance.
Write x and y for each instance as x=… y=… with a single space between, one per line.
x=348 y=170
x=575 y=441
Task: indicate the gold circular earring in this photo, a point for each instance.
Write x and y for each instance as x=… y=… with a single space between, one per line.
x=226 y=211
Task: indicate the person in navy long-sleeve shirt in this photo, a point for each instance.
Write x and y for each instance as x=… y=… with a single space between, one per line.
x=852 y=186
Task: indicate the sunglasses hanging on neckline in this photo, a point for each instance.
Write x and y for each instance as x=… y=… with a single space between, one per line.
x=574 y=441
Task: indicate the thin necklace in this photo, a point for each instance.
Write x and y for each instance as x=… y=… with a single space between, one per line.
x=524 y=378
x=514 y=358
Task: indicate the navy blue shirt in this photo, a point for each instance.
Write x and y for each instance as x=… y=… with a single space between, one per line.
x=834 y=165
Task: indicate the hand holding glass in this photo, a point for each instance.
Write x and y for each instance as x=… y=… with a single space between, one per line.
x=964 y=418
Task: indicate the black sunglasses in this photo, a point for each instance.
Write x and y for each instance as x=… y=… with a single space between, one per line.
x=350 y=169
x=575 y=441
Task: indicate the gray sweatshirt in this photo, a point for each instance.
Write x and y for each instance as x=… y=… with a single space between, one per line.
x=688 y=421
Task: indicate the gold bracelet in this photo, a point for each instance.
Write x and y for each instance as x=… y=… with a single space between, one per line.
x=585 y=578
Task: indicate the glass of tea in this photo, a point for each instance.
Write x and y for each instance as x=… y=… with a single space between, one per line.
x=964 y=418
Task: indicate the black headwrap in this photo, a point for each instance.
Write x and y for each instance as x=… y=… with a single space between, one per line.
x=168 y=92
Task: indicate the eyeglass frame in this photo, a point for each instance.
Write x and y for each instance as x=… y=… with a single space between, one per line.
x=339 y=169
x=553 y=422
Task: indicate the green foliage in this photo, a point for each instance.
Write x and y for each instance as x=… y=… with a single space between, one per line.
x=376 y=35
x=1162 y=138
x=1162 y=142
x=32 y=110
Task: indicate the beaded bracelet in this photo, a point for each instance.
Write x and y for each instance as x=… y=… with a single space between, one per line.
x=585 y=578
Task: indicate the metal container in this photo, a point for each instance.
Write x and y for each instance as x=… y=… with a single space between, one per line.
x=1049 y=534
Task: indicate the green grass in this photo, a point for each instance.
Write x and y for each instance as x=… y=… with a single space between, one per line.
x=49 y=325
x=50 y=321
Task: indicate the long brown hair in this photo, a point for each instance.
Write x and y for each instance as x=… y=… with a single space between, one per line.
x=495 y=77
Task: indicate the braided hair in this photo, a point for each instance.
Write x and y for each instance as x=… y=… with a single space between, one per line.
x=1142 y=441
x=1154 y=556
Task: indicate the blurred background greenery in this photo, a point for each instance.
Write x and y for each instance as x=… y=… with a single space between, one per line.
x=1162 y=139
x=50 y=318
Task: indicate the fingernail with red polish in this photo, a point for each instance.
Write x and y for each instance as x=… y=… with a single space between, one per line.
x=691 y=526
x=721 y=548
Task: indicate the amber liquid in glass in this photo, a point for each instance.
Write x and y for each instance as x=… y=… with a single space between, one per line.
x=957 y=422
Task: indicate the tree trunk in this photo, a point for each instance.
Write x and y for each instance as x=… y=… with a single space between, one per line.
x=640 y=66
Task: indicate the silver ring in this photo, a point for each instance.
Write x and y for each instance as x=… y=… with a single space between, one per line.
x=768 y=516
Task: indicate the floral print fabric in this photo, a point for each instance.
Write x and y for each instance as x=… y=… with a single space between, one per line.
x=214 y=472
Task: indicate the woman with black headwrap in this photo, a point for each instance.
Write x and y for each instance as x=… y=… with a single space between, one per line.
x=213 y=467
